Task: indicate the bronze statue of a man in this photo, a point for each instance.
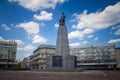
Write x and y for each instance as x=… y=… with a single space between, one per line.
x=62 y=19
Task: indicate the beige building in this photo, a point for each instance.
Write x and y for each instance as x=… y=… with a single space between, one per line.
x=117 y=50
x=40 y=54
x=7 y=54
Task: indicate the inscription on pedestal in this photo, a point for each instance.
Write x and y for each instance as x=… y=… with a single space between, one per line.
x=57 y=61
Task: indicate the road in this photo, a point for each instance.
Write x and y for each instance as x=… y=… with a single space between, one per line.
x=83 y=75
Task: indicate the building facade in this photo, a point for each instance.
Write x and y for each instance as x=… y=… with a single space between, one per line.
x=88 y=57
x=40 y=54
x=95 y=57
x=27 y=62
x=117 y=50
x=7 y=54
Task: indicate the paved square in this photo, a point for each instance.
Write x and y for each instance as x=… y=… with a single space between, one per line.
x=83 y=75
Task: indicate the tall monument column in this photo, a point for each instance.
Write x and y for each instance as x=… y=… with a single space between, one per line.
x=62 y=45
x=62 y=60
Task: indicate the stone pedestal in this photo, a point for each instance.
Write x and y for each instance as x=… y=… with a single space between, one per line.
x=61 y=63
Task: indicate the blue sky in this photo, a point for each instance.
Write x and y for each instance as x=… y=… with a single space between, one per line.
x=34 y=22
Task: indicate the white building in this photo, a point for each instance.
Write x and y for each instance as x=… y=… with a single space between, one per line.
x=27 y=61
x=90 y=57
x=7 y=54
x=40 y=54
x=102 y=56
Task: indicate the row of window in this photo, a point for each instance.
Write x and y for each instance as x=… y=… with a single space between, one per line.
x=7 y=60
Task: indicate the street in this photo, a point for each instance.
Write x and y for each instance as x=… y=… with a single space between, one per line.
x=37 y=75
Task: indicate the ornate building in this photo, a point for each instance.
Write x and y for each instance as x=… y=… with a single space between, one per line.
x=40 y=54
x=7 y=54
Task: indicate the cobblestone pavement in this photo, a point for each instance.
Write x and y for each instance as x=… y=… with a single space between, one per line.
x=83 y=75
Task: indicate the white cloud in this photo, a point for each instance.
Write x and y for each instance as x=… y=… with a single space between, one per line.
x=56 y=25
x=114 y=41
x=75 y=34
x=75 y=44
x=87 y=31
x=85 y=42
x=25 y=51
x=95 y=38
x=79 y=34
x=35 y=5
x=38 y=39
x=42 y=24
x=11 y=24
x=22 y=49
x=26 y=48
x=117 y=32
x=30 y=27
x=43 y=16
x=90 y=36
x=73 y=26
x=115 y=27
x=5 y=27
x=89 y=23
x=26 y=55
x=99 y=20
x=1 y=38
x=19 y=42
